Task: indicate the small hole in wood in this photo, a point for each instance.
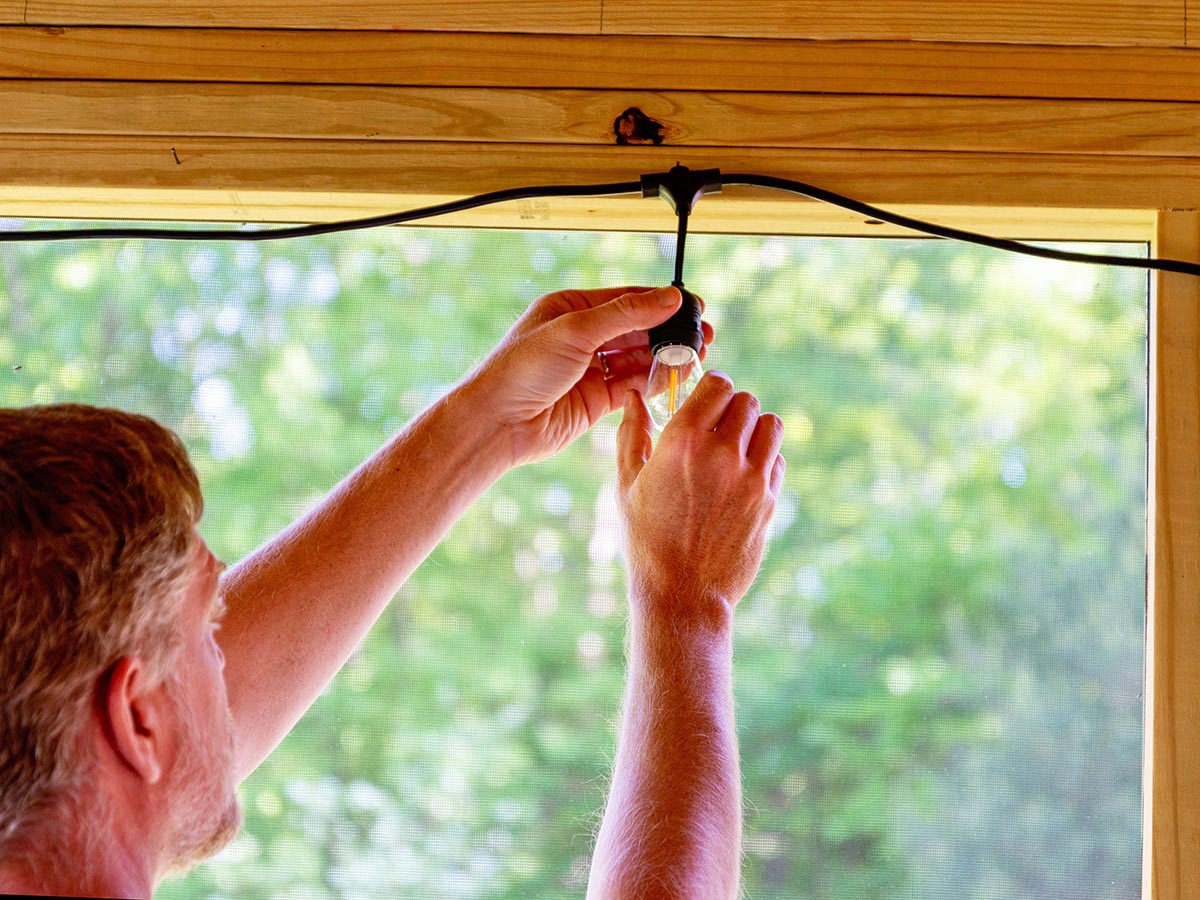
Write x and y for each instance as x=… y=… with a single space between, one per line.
x=635 y=127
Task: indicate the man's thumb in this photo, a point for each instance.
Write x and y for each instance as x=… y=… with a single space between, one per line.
x=623 y=314
x=634 y=442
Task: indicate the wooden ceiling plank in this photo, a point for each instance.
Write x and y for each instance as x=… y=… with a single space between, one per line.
x=1085 y=22
x=596 y=117
x=634 y=63
x=538 y=16
x=456 y=169
x=1148 y=23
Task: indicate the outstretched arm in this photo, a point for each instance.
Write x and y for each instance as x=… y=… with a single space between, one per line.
x=695 y=513
x=299 y=606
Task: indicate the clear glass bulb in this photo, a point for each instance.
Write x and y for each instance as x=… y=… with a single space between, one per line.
x=673 y=376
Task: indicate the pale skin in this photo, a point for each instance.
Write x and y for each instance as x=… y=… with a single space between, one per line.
x=138 y=740
x=696 y=512
x=299 y=606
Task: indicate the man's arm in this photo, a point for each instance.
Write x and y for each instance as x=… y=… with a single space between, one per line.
x=696 y=514
x=298 y=607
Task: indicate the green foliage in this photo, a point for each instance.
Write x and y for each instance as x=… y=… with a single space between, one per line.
x=939 y=669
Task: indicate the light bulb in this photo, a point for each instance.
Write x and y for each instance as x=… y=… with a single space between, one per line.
x=674 y=374
x=675 y=369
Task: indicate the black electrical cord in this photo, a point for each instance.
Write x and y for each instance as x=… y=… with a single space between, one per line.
x=956 y=234
x=596 y=190
x=680 y=238
x=298 y=231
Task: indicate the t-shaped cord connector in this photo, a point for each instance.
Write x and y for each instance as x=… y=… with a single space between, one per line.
x=682 y=188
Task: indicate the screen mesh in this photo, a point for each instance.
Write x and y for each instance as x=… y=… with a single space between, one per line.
x=939 y=670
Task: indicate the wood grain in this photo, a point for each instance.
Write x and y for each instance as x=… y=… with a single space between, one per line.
x=1174 y=822
x=732 y=213
x=454 y=169
x=630 y=63
x=1118 y=22
x=540 y=16
x=587 y=117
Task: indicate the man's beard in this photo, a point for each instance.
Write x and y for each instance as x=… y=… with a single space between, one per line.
x=205 y=810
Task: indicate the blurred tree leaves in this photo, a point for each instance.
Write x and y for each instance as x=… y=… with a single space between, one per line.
x=939 y=669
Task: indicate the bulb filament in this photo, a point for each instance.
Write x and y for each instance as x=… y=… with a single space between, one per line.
x=673 y=375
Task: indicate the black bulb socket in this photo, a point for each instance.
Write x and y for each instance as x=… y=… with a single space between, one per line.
x=683 y=328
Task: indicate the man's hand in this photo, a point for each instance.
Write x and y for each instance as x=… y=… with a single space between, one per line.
x=544 y=385
x=696 y=510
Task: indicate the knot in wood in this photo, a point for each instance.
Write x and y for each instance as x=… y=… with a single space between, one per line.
x=635 y=127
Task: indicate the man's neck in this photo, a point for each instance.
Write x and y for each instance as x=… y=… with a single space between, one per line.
x=77 y=867
x=73 y=881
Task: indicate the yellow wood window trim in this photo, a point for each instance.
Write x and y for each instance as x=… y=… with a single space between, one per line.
x=1172 y=791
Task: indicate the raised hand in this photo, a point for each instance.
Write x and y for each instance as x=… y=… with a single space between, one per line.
x=566 y=363
x=696 y=508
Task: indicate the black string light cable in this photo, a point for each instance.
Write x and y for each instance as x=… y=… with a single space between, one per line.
x=957 y=234
x=132 y=232
x=703 y=182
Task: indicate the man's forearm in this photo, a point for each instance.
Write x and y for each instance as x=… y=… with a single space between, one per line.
x=300 y=604
x=672 y=828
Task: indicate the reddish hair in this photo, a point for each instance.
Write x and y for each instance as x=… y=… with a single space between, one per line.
x=98 y=509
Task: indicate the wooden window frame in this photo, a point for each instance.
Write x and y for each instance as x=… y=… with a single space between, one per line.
x=1027 y=142
x=1171 y=797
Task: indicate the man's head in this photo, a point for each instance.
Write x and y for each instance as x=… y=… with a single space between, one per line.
x=112 y=701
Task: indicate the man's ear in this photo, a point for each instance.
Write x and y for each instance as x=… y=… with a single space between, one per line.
x=136 y=720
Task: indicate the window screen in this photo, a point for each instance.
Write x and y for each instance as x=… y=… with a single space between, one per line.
x=939 y=670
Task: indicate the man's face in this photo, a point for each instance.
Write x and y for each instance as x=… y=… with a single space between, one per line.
x=201 y=783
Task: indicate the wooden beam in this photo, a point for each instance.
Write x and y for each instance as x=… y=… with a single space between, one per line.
x=732 y=213
x=589 y=117
x=540 y=16
x=1117 y=22
x=630 y=63
x=455 y=169
x=1174 y=624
